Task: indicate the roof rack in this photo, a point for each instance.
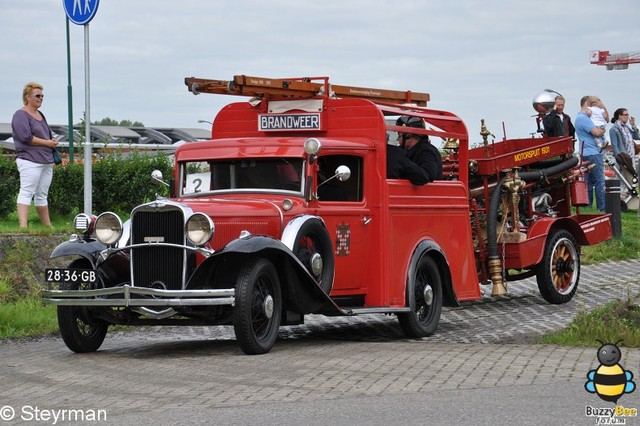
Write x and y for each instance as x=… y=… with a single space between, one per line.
x=303 y=87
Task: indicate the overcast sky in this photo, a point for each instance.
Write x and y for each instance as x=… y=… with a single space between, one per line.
x=477 y=59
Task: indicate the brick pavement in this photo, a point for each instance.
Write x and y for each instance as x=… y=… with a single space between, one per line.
x=485 y=344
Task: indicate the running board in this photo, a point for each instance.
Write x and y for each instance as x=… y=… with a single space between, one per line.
x=374 y=310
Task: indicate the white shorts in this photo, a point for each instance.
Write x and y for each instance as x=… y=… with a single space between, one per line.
x=35 y=179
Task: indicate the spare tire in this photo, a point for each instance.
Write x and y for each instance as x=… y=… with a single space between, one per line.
x=312 y=246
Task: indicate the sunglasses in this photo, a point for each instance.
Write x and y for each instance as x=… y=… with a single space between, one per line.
x=38 y=96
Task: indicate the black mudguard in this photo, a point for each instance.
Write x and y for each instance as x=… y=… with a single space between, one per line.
x=301 y=293
x=430 y=247
x=113 y=271
x=89 y=249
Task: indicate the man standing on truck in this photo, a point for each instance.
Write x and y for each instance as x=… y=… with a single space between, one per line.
x=557 y=122
x=587 y=132
x=419 y=148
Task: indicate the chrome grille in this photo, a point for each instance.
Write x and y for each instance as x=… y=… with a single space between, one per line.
x=157 y=266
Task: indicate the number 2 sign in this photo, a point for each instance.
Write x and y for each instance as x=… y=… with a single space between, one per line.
x=197 y=182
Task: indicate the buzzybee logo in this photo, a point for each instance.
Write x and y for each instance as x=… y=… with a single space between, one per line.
x=610 y=381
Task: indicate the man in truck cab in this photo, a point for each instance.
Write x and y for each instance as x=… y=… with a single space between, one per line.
x=400 y=167
x=419 y=148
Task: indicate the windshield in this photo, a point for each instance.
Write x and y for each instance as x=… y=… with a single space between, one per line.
x=242 y=175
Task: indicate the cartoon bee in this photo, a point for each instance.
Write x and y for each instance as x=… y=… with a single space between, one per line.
x=610 y=381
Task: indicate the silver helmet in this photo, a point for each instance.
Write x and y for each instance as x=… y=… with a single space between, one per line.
x=545 y=100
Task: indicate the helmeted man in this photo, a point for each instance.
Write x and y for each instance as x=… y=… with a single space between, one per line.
x=400 y=167
x=419 y=148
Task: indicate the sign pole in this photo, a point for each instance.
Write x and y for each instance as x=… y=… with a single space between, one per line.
x=88 y=157
x=69 y=96
x=80 y=14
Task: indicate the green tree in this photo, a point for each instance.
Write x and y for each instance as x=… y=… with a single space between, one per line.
x=107 y=121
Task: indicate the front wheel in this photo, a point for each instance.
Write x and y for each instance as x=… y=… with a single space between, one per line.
x=559 y=271
x=258 y=307
x=80 y=331
x=423 y=320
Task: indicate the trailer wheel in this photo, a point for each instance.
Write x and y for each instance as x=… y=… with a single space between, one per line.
x=423 y=320
x=559 y=272
x=623 y=206
x=80 y=332
x=258 y=307
x=313 y=248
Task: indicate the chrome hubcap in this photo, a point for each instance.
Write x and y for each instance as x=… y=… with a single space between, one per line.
x=316 y=264
x=427 y=295
x=267 y=306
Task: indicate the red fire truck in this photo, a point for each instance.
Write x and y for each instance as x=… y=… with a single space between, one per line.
x=288 y=211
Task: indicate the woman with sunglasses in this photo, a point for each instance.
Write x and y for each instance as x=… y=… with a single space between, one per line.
x=34 y=145
x=622 y=135
x=623 y=132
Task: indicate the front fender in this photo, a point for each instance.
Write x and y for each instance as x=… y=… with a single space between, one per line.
x=301 y=293
x=88 y=249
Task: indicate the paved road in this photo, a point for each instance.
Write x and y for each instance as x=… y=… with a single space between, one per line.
x=480 y=368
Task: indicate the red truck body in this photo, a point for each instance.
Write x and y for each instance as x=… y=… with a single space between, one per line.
x=288 y=211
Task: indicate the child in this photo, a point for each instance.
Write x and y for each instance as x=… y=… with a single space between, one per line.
x=599 y=117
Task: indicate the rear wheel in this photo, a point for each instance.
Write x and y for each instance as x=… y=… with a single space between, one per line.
x=258 y=307
x=79 y=330
x=423 y=320
x=559 y=271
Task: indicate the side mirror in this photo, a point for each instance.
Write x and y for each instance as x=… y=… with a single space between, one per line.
x=157 y=176
x=343 y=173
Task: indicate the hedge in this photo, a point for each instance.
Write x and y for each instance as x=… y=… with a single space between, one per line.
x=9 y=185
x=120 y=182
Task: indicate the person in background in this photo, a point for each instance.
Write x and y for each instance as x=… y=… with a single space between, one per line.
x=419 y=148
x=557 y=122
x=34 y=145
x=600 y=117
x=586 y=132
x=622 y=135
x=623 y=132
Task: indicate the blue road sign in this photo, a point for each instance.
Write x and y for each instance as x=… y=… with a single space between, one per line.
x=80 y=12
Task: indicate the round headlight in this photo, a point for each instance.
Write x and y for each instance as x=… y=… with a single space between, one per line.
x=108 y=228
x=199 y=229
x=312 y=146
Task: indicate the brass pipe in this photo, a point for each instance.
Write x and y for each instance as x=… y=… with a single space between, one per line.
x=495 y=273
x=514 y=184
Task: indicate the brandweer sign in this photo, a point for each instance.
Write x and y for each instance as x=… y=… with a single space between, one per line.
x=268 y=122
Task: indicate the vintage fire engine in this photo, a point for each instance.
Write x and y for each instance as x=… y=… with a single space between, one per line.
x=287 y=211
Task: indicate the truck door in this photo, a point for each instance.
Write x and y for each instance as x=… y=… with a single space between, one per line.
x=347 y=215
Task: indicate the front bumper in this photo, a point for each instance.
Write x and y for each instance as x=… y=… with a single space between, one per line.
x=126 y=295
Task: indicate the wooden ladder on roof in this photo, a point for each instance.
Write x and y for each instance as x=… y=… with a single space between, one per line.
x=306 y=87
